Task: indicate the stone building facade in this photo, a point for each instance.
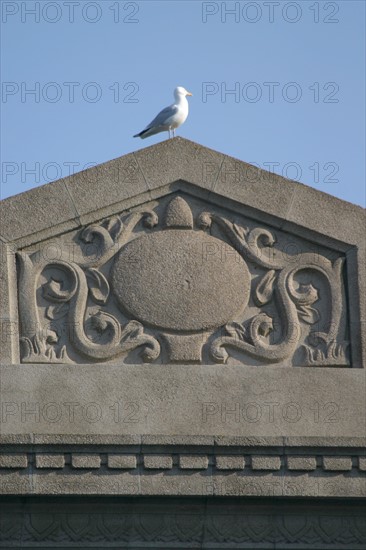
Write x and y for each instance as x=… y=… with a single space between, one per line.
x=182 y=359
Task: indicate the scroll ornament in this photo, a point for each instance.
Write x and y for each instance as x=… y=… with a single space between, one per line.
x=153 y=273
x=68 y=290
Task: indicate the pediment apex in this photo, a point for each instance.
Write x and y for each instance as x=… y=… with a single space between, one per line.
x=137 y=177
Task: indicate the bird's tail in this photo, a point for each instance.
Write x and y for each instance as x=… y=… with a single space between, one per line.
x=142 y=134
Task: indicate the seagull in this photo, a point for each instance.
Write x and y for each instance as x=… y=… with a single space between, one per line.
x=169 y=118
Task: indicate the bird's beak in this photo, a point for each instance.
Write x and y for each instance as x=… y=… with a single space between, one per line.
x=189 y=93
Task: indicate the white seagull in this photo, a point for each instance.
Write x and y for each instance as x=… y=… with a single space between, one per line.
x=169 y=118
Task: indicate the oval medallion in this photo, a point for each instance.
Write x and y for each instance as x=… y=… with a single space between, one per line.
x=181 y=280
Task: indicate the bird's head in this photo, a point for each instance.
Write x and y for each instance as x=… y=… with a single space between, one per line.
x=180 y=91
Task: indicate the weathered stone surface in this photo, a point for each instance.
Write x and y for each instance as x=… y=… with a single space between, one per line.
x=83 y=460
x=159 y=480
x=301 y=462
x=100 y=188
x=170 y=264
x=50 y=460
x=327 y=215
x=122 y=462
x=230 y=462
x=45 y=211
x=9 y=329
x=14 y=460
x=254 y=187
x=189 y=462
x=158 y=462
x=168 y=161
x=183 y=400
x=266 y=462
x=337 y=464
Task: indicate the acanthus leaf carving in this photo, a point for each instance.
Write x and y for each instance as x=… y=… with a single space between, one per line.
x=250 y=244
x=115 y=227
x=53 y=291
x=304 y=297
x=39 y=348
x=320 y=351
x=242 y=232
x=235 y=330
x=264 y=290
x=56 y=311
x=308 y=314
x=98 y=285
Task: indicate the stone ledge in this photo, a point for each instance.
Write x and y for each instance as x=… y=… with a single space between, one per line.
x=283 y=444
x=126 y=459
x=122 y=472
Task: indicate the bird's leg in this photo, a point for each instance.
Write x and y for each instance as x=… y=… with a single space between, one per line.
x=169 y=132
x=173 y=132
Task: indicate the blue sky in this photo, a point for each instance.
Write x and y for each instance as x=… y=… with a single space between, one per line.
x=100 y=71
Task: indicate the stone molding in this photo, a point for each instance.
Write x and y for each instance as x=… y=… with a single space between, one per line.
x=185 y=469
x=125 y=459
x=223 y=523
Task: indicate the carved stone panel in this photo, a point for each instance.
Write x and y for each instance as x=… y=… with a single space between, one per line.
x=181 y=280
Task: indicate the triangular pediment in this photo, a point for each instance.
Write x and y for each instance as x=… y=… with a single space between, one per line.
x=131 y=179
x=177 y=253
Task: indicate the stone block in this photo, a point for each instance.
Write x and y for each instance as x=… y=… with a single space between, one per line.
x=301 y=462
x=15 y=460
x=193 y=462
x=50 y=461
x=158 y=462
x=266 y=462
x=230 y=462
x=337 y=464
x=122 y=462
x=85 y=461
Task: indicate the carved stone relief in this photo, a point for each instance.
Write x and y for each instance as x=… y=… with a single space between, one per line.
x=180 y=282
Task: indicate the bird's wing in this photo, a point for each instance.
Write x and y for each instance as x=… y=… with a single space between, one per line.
x=163 y=116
